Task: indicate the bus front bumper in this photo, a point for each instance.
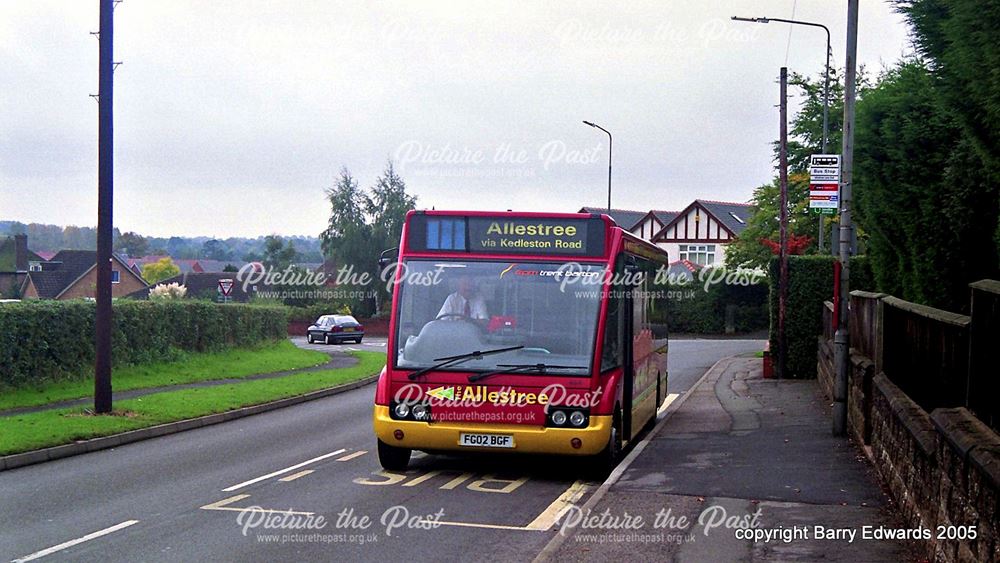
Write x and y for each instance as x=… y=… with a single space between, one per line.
x=527 y=439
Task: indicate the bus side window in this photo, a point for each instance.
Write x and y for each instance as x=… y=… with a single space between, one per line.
x=612 y=349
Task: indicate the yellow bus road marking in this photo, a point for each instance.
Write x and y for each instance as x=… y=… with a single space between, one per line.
x=349 y=457
x=77 y=541
x=282 y=471
x=550 y=515
x=475 y=525
x=295 y=476
x=543 y=522
x=224 y=505
x=666 y=402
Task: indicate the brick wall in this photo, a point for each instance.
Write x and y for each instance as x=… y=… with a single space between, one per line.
x=942 y=469
x=824 y=367
x=87 y=285
x=968 y=455
x=904 y=451
x=859 y=398
x=859 y=388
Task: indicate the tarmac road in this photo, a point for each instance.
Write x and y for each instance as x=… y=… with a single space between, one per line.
x=180 y=497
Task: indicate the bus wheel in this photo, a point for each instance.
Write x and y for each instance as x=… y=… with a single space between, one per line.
x=604 y=463
x=393 y=458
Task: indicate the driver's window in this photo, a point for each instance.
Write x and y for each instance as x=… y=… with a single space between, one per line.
x=612 y=349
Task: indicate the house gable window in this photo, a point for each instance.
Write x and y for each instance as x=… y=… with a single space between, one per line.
x=34 y=266
x=703 y=254
x=116 y=276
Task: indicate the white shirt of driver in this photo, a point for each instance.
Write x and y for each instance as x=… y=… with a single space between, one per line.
x=455 y=304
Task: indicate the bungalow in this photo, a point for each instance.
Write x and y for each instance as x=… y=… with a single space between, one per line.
x=72 y=274
x=702 y=231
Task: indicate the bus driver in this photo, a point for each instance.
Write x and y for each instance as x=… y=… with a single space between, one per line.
x=465 y=302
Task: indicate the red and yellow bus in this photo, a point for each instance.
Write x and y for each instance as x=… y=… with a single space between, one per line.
x=520 y=332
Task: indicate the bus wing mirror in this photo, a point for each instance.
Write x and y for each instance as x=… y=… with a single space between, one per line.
x=385 y=258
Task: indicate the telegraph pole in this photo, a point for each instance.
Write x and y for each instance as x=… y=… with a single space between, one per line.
x=783 y=227
x=841 y=339
x=105 y=195
x=826 y=121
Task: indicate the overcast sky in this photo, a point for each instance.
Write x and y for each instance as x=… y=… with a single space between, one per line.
x=231 y=117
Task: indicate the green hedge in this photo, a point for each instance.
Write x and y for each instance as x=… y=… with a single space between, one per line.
x=696 y=311
x=50 y=340
x=810 y=283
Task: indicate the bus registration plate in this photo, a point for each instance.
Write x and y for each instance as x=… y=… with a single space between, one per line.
x=486 y=440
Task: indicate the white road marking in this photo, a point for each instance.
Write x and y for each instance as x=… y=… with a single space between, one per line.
x=282 y=471
x=349 y=457
x=666 y=402
x=474 y=525
x=77 y=541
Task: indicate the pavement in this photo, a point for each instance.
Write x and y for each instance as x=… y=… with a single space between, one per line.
x=739 y=455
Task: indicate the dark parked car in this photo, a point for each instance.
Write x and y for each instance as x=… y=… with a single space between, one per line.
x=331 y=329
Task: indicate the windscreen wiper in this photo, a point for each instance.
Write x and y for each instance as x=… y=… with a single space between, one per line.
x=455 y=360
x=516 y=368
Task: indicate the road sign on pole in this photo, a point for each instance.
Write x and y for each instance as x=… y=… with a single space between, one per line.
x=226 y=286
x=824 y=183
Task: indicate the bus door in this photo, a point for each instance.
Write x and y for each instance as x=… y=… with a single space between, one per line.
x=628 y=375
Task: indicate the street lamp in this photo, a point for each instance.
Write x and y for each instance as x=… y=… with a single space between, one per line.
x=826 y=82
x=826 y=87
x=610 y=140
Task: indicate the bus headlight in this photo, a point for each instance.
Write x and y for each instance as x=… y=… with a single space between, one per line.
x=420 y=412
x=558 y=418
x=401 y=410
x=578 y=419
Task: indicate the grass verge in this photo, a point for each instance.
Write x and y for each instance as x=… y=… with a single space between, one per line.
x=22 y=433
x=190 y=368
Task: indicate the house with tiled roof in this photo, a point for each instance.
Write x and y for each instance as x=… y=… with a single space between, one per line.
x=643 y=224
x=626 y=218
x=651 y=223
x=186 y=265
x=72 y=274
x=698 y=234
x=701 y=232
x=15 y=262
